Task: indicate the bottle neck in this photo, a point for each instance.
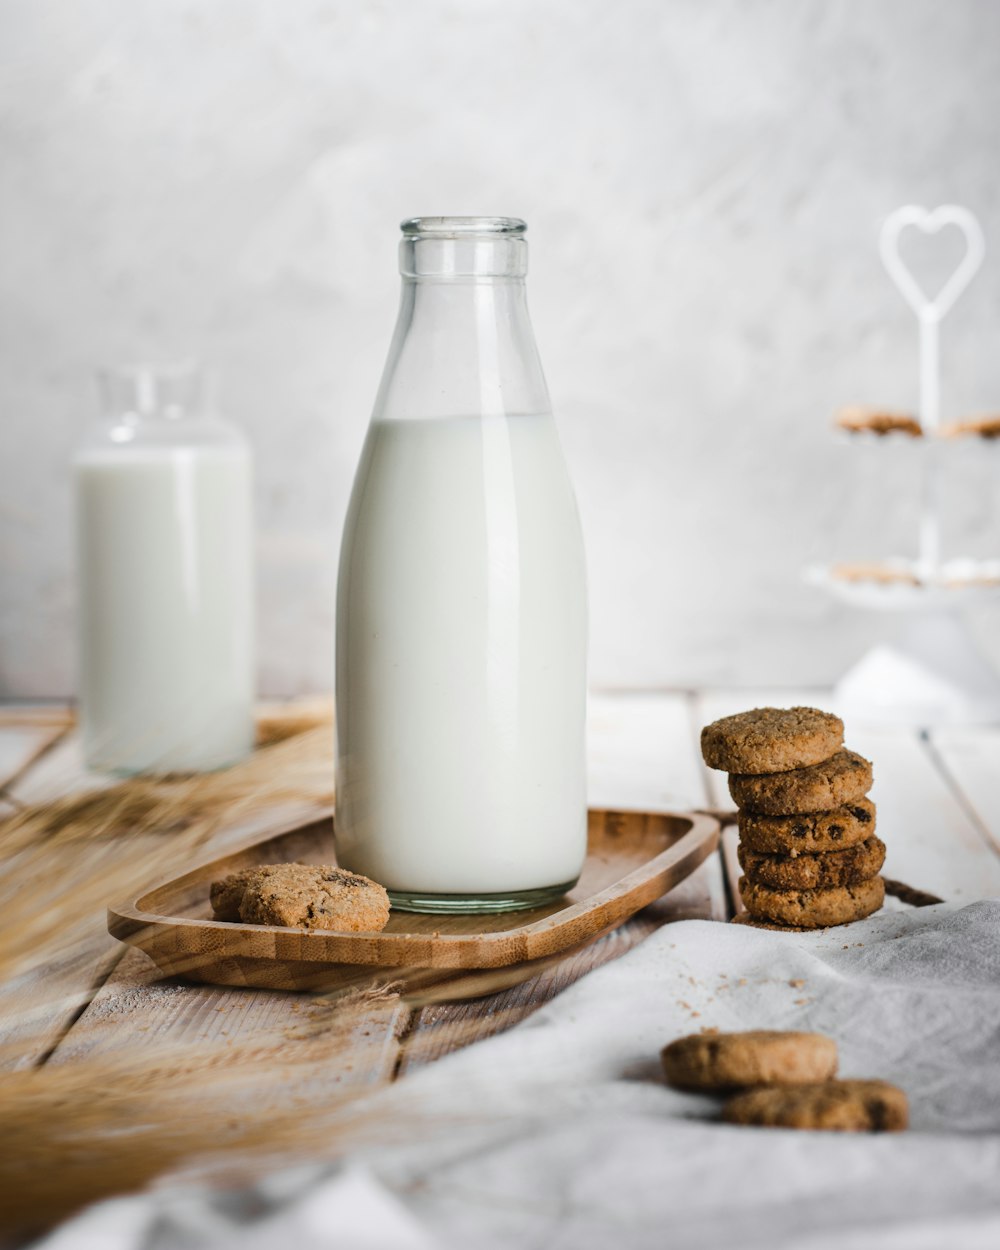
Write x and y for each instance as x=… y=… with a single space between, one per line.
x=463 y=346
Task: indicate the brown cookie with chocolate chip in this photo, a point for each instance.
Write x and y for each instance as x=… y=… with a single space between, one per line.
x=814 y=872
x=302 y=896
x=837 y=1106
x=808 y=832
x=844 y=778
x=813 y=909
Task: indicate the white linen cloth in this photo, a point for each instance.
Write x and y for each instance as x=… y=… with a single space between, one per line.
x=560 y=1133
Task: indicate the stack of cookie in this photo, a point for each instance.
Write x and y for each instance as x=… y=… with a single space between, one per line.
x=808 y=848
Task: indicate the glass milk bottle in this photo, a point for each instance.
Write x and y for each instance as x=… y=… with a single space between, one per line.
x=461 y=605
x=165 y=579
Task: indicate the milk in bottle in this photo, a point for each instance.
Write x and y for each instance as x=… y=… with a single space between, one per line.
x=165 y=581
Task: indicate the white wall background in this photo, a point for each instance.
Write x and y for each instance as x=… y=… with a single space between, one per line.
x=704 y=181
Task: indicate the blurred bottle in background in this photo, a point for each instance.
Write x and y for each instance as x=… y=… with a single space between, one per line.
x=164 y=538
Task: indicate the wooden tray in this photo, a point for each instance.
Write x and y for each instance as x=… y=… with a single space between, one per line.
x=633 y=858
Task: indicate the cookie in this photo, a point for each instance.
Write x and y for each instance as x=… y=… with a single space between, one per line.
x=808 y=833
x=984 y=427
x=771 y=739
x=813 y=909
x=227 y=894
x=708 y=1062
x=858 y=420
x=843 y=778
x=302 y=896
x=814 y=872
x=840 y=1106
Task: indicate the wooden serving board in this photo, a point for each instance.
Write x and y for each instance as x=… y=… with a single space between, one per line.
x=633 y=858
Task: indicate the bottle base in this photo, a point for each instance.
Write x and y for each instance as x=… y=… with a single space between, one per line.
x=478 y=904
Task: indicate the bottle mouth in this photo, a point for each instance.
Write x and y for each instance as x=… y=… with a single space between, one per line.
x=462 y=227
x=454 y=249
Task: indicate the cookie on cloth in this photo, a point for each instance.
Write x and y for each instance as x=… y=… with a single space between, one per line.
x=302 y=896
x=814 y=872
x=813 y=909
x=708 y=1062
x=771 y=739
x=840 y=1106
x=808 y=832
x=843 y=778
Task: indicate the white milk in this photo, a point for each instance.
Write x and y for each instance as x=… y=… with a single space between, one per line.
x=165 y=613
x=461 y=659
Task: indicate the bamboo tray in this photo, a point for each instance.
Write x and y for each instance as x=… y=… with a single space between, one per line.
x=633 y=858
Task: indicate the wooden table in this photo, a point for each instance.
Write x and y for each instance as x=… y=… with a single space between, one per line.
x=939 y=812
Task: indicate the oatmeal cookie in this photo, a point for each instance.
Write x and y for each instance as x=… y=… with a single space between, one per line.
x=843 y=778
x=771 y=739
x=813 y=909
x=808 y=833
x=855 y=863
x=723 y=1061
x=302 y=896
x=841 y=1106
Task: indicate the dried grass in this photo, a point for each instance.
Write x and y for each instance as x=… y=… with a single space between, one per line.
x=98 y=1127
x=63 y=861
x=106 y=1124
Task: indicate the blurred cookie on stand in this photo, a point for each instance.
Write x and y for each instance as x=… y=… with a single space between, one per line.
x=808 y=848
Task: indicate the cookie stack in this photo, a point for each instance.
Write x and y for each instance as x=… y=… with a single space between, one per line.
x=808 y=848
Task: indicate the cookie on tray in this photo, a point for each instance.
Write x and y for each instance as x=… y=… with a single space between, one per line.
x=840 y=1106
x=771 y=739
x=302 y=896
x=808 y=833
x=843 y=778
x=813 y=909
x=856 y=863
x=709 y=1062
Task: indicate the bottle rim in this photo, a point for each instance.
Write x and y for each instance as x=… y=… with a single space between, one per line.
x=459 y=227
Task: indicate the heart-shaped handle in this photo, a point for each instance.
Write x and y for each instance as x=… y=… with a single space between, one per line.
x=930 y=222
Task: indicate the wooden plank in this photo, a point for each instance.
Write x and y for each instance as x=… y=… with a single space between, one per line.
x=37 y=1010
x=970 y=759
x=21 y=744
x=138 y=1009
x=59 y=771
x=933 y=842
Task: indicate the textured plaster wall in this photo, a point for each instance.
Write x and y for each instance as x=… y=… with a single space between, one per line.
x=704 y=181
